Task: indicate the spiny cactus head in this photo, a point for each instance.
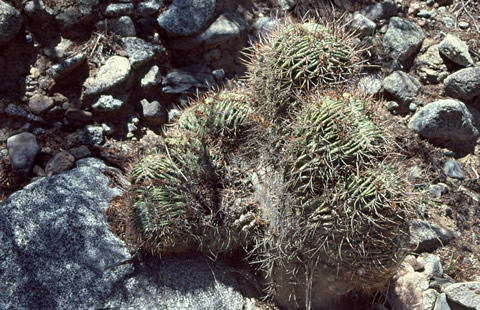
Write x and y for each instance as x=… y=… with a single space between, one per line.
x=301 y=57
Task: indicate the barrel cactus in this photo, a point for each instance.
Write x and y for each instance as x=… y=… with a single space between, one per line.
x=296 y=174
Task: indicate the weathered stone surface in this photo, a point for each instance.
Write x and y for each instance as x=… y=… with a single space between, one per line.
x=60 y=162
x=78 y=115
x=115 y=71
x=226 y=27
x=119 y=9
x=39 y=103
x=441 y=303
x=154 y=112
x=370 y=84
x=402 y=86
x=463 y=84
x=37 y=11
x=466 y=294
x=430 y=66
x=123 y=26
x=90 y=135
x=405 y=292
x=152 y=78
x=23 y=150
x=109 y=103
x=63 y=69
x=74 y=21
x=403 y=38
x=80 y=152
x=150 y=7
x=187 y=81
x=429 y=298
x=379 y=11
x=10 y=22
x=443 y=121
x=432 y=265
x=456 y=50
x=427 y=237
x=362 y=25
x=140 y=51
x=185 y=17
x=452 y=169
x=286 y=4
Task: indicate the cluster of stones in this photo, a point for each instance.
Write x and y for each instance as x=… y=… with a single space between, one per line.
x=118 y=58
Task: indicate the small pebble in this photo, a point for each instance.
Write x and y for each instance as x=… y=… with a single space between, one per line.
x=453 y=170
x=463 y=25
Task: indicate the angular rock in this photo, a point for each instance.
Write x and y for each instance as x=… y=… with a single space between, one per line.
x=39 y=103
x=403 y=38
x=74 y=21
x=185 y=17
x=80 y=152
x=441 y=303
x=427 y=237
x=370 y=84
x=362 y=25
x=152 y=78
x=438 y=190
x=286 y=4
x=453 y=170
x=405 y=292
x=463 y=84
x=119 y=9
x=123 y=26
x=14 y=110
x=446 y=120
x=187 y=81
x=456 y=50
x=402 y=86
x=109 y=103
x=115 y=71
x=466 y=294
x=379 y=11
x=433 y=266
x=150 y=7
x=140 y=51
x=60 y=162
x=10 y=22
x=23 y=150
x=154 y=112
x=226 y=27
x=429 y=298
x=90 y=135
x=37 y=11
x=430 y=66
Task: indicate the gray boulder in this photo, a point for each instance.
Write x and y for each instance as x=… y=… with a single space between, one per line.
x=446 y=120
x=426 y=237
x=402 y=86
x=58 y=253
x=115 y=71
x=456 y=50
x=225 y=28
x=379 y=11
x=23 y=150
x=403 y=38
x=463 y=84
x=187 y=81
x=140 y=51
x=185 y=17
x=467 y=294
x=10 y=22
x=430 y=66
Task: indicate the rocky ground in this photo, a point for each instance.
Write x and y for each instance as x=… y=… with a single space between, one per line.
x=100 y=79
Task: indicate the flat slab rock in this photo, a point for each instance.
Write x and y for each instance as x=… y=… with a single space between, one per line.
x=57 y=253
x=466 y=294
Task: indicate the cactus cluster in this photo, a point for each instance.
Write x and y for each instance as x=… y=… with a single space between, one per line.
x=296 y=175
